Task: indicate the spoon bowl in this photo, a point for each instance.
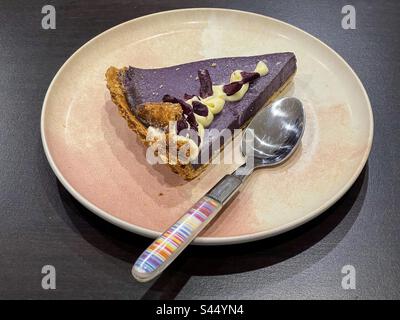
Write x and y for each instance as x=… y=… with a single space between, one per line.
x=274 y=133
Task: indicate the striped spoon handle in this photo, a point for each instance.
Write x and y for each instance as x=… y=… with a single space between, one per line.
x=171 y=243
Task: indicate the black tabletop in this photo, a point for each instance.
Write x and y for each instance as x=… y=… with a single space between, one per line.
x=41 y=224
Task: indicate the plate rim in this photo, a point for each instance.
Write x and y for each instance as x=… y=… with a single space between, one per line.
x=207 y=240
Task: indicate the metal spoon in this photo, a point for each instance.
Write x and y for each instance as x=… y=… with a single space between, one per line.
x=270 y=138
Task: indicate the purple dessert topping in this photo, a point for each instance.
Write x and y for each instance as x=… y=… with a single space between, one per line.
x=200 y=109
x=205 y=83
x=249 y=76
x=231 y=88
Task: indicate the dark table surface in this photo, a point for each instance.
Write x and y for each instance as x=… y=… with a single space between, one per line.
x=41 y=224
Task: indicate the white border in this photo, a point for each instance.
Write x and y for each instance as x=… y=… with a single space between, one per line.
x=207 y=240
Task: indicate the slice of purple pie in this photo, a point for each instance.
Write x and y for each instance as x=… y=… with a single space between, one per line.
x=170 y=104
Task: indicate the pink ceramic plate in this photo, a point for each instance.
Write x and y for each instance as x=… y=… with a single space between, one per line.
x=101 y=163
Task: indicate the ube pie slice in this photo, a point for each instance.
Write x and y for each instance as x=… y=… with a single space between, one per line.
x=139 y=93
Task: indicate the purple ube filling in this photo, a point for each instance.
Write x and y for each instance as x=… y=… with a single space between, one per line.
x=150 y=85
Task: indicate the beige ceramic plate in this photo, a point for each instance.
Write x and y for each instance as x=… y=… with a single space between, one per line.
x=99 y=160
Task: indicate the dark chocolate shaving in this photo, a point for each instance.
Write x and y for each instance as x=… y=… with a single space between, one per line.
x=249 y=76
x=186 y=108
x=205 y=83
x=231 y=88
x=191 y=119
x=200 y=109
x=169 y=98
x=188 y=96
x=181 y=124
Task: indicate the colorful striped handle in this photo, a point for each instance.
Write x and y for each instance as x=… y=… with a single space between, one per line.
x=168 y=246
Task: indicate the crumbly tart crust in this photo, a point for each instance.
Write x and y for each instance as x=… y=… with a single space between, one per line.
x=186 y=171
